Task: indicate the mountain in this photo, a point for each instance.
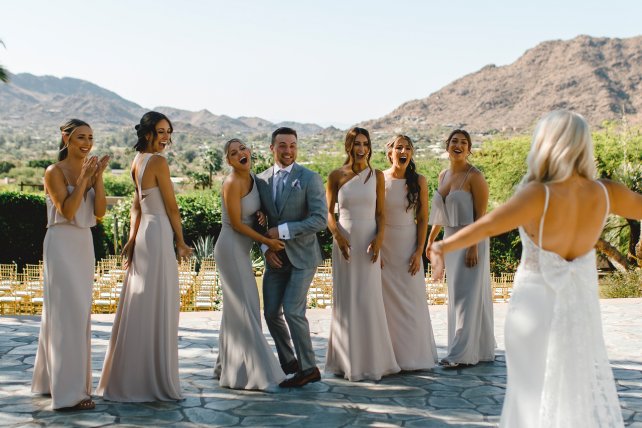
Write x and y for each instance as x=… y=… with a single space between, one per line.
x=601 y=78
x=42 y=103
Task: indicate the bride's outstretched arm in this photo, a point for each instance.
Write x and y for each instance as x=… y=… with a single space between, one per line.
x=624 y=202
x=526 y=205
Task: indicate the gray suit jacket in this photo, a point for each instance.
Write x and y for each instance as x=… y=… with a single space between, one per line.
x=304 y=210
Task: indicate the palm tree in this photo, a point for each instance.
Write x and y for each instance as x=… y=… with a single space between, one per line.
x=4 y=74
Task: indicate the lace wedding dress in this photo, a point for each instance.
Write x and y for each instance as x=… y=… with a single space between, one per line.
x=558 y=370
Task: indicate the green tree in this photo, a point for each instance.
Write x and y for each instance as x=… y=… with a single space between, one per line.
x=503 y=163
x=40 y=163
x=618 y=150
x=6 y=167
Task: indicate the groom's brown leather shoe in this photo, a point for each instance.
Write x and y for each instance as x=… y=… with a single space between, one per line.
x=302 y=378
x=291 y=367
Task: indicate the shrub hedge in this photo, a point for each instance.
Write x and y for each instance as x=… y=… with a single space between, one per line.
x=23 y=225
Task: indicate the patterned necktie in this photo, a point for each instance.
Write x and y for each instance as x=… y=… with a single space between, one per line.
x=281 y=176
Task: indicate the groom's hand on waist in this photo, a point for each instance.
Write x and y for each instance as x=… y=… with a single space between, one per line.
x=273 y=259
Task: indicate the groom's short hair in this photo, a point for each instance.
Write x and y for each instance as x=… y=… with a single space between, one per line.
x=283 y=130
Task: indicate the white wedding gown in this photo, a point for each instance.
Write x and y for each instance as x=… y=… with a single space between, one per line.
x=558 y=371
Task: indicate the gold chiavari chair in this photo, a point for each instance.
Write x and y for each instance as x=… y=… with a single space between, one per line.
x=32 y=288
x=8 y=276
x=187 y=283
x=207 y=290
x=105 y=295
x=10 y=303
x=320 y=292
x=506 y=281
x=436 y=291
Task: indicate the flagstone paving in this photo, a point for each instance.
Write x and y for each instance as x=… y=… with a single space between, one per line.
x=470 y=397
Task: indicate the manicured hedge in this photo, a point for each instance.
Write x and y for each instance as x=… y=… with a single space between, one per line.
x=23 y=224
x=23 y=220
x=200 y=213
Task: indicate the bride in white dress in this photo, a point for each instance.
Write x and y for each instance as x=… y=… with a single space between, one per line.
x=558 y=370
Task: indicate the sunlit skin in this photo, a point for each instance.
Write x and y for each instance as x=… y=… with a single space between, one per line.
x=284 y=150
x=337 y=178
x=156 y=175
x=399 y=156
x=452 y=179
x=82 y=171
x=237 y=185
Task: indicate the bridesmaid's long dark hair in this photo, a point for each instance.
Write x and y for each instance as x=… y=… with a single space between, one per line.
x=147 y=126
x=411 y=176
x=69 y=127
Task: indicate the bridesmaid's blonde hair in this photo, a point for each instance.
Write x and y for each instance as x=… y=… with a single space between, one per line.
x=561 y=146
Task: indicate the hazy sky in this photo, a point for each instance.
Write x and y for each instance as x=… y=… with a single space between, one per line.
x=328 y=62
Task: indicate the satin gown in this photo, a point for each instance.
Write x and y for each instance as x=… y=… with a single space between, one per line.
x=141 y=363
x=245 y=358
x=359 y=346
x=558 y=371
x=404 y=295
x=63 y=360
x=471 y=336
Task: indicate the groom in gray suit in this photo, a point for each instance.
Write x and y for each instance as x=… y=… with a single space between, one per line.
x=294 y=200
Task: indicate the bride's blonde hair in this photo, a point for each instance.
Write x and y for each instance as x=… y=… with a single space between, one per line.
x=561 y=146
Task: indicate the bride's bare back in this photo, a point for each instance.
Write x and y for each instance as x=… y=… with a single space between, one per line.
x=573 y=219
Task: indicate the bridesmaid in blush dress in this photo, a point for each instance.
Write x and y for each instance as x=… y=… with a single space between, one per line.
x=75 y=196
x=245 y=358
x=359 y=346
x=461 y=198
x=141 y=363
x=556 y=360
x=402 y=273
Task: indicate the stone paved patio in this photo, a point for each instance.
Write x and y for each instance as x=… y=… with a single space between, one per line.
x=469 y=397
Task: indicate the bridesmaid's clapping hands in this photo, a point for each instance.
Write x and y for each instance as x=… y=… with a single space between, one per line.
x=101 y=165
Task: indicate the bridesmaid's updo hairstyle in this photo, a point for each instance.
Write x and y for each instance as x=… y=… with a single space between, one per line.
x=68 y=128
x=147 y=126
x=351 y=136
x=561 y=146
x=465 y=134
x=412 y=178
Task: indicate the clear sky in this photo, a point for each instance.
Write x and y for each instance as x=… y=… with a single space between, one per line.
x=329 y=62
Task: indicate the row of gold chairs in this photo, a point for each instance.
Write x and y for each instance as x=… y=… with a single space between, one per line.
x=320 y=294
x=22 y=292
